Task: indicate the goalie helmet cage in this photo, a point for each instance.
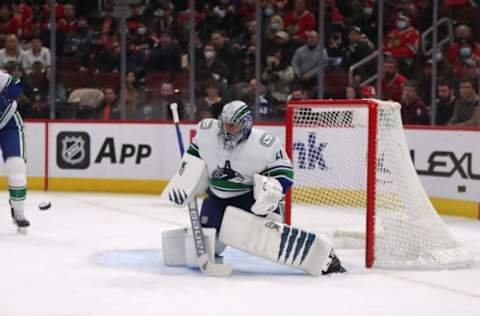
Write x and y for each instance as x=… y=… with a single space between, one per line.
x=354 y=177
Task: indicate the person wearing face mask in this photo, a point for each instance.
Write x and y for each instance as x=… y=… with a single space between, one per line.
x=366 y=20
x=299 y=21
x=306 y=61
x=210 y=66
x=274 y=25
x=402 y=43
x=459 y=50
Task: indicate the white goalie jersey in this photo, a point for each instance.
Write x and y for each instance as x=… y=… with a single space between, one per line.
x=231 y=171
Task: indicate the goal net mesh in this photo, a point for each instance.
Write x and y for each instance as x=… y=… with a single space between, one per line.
x=329 y=148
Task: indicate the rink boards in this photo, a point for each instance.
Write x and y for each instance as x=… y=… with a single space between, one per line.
x=141 y=157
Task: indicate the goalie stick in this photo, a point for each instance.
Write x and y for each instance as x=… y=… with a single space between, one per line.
x=207 y=267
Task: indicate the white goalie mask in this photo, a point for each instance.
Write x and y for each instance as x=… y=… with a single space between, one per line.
x=238 y=115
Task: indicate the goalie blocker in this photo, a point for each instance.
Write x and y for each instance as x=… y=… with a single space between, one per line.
x=257 y=235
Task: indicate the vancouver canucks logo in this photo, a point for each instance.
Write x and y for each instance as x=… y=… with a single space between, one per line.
x=226 y=173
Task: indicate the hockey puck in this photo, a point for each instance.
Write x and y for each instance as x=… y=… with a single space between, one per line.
x=44 y=205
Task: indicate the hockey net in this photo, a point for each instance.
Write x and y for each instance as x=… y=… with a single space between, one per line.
x=355 y=181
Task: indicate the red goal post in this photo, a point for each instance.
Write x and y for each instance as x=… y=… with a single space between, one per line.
x=372 y=134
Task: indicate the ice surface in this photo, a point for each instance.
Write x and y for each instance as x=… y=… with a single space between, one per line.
x=100 y=255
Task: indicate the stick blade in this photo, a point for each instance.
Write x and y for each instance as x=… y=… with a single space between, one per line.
x=213 y=269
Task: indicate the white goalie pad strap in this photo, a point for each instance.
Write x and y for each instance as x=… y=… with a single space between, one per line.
x=268 y=192
x=190 y=180
x=179 y=248
x=275 y=241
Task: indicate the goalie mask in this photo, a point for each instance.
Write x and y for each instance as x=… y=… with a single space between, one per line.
x=236 y=123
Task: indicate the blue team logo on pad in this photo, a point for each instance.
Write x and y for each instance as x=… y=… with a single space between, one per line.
x=73 y=150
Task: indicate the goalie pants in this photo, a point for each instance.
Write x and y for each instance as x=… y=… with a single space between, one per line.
x=213 y=208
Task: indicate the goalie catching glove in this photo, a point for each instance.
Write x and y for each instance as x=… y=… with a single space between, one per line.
x=268 y=193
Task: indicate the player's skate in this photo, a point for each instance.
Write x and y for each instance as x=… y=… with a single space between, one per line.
x=20 y=220
x=335 y=265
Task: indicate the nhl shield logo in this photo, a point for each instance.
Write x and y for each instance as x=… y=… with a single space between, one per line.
x=73 y=150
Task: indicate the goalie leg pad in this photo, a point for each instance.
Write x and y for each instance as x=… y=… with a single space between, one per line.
x=179 y=248
x=275 y=241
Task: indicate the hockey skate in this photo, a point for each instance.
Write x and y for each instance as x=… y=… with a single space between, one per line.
x=335 y=265
x=20 y=220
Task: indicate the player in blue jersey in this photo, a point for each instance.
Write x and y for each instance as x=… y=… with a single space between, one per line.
x=13 y=147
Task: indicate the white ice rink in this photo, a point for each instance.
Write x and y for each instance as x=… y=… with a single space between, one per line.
x=100 y=255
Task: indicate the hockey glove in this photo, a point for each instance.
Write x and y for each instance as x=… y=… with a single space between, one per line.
x=268 y=193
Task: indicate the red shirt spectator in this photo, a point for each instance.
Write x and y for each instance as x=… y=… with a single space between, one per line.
x=300 y=21
x=247 y=10
x=68 y=23
x=393 y=82
x=9 y=23
x=403 y=40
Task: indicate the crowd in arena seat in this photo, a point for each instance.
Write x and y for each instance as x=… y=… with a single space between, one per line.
x=88 y=57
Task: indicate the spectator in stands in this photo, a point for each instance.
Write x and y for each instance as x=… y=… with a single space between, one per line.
x=467 y=106
x=424 y=75
x=277 y=77
x=211 y=105
x=274 y=25
x=306 y=61
x=107 y=59
x=11 y=52
x=109 y=108
x=392 y=84
x=359 y=47
x=464 y=46
x=352 y=92
x=77 y=42
x=281 y=42
x=471 y=72
x=159 y=106
x=133 y=22
x=136 y=56
x=9 y=23
x=414 y=111
x=68 y=23
x=39 y=107
x=166 y=57
x=210 y=67
x=297 y=93
x=402 y=43
x=299 y=22
x=367 y=20
x=132 y=98
x=445 y=102
x=24 y=10
x=36 y=53
x=107 y=25
x=223 y=48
